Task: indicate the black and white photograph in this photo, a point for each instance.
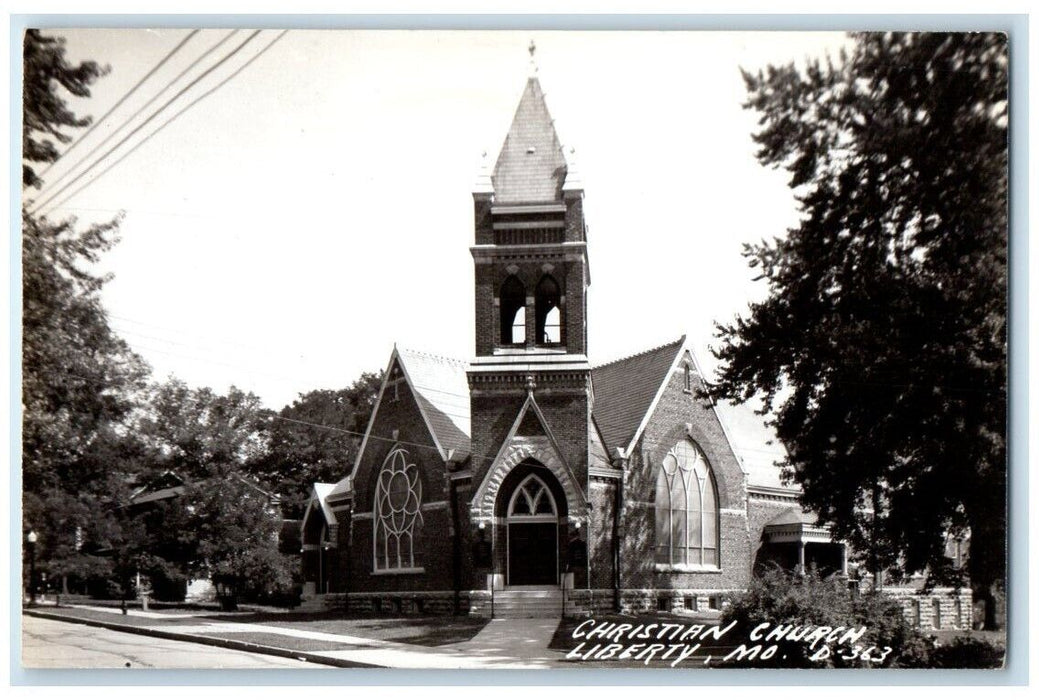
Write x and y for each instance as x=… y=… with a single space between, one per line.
x=513 y=349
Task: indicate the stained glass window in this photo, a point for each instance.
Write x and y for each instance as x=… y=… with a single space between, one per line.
x=397 y=512
x=686 y=509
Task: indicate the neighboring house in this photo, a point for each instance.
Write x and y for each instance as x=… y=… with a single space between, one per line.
x=527 y=481
x=168 y=486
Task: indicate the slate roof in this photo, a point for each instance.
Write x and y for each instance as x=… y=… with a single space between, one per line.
x=442 y=391
x=756 y=444
x=794 y=516
x=624 y=391
x=531 y=167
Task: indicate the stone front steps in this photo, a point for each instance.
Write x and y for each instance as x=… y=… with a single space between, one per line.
x=544 y=603
x=312 y=603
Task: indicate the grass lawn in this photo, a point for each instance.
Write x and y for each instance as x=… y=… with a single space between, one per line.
x=424 y=631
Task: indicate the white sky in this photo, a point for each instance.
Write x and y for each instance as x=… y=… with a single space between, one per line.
x=286 y=231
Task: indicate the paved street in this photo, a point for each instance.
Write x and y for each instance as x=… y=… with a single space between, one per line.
x=53 y=644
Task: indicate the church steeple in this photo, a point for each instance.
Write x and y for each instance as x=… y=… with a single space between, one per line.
x=531 y=366
x=531 y=167
x=531 y=261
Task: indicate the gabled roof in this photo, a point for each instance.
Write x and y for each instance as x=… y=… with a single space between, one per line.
x=756 y=444
x=320 y=496
x=169 y=484
x=442 y=391
x=794 y=515
x=531 y=167
x=626 y=389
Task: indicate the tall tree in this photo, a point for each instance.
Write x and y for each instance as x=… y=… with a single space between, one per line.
x=315 y=439
x=80 y=382
x=222 y=525
x=881 y=347
x=200 y=434
x=45 y=114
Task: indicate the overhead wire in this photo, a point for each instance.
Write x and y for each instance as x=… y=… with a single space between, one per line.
x=143 y=124
x=122 y=99
x=49 y=186
x=183 y=110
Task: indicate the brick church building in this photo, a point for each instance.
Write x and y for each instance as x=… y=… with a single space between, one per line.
x=526 y=480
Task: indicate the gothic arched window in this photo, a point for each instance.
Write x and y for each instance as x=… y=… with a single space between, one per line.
x=512 y=306
x=532 y=499
x=397 y=513
x=686 y=509
x=547 y=302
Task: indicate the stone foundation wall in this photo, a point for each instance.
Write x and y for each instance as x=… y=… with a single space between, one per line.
x=398 y=603
x=649 y=600
x=937 y=609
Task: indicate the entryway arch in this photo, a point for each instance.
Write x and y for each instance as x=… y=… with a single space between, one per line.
x=532 y=534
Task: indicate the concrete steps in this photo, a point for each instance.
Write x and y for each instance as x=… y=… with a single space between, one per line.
x=540 y=603
x=312 y=603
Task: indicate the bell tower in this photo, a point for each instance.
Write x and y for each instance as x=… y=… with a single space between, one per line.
x=530 y=253
x=531 y=282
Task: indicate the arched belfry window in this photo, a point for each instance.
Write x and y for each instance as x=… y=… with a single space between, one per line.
x=397 y=513
x=547 y=300
x=512 y=305
x=686 y=509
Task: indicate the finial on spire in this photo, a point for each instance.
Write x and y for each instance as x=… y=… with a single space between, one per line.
x=532 y=49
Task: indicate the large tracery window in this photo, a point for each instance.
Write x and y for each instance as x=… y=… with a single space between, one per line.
x=397 y=513
x=686 y=509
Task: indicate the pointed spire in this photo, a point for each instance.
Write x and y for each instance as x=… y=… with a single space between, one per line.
x=531 y=167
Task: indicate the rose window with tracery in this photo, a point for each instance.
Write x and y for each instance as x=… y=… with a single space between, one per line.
x=397 y=513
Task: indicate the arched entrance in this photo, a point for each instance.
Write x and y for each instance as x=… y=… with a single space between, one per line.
x=532 y=535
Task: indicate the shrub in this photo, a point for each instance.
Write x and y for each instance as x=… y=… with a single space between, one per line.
x=969 y=652
x=778 y=597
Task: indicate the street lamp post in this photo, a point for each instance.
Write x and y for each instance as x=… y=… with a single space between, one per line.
x=30 y=539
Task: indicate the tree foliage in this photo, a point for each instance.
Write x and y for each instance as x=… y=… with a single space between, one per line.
x=315 y=439
x=881 y=347
x=200 y=434
x=778 y=597
x=237 y=527
x=80 y=381
x=45 y=114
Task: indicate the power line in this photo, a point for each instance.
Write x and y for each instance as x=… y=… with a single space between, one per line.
x=122 y=99
x=143 y=107
x=182 y=111
x=146 y=122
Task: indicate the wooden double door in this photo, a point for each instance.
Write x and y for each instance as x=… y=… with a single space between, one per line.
x=533 y=554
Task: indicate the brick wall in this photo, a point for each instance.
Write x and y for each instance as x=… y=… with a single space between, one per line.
x=601 y=504
x=676 y=410
x=569 y=274
x=433 y=549
x=759 y=512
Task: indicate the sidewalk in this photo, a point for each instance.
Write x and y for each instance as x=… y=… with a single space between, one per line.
x=521 y=643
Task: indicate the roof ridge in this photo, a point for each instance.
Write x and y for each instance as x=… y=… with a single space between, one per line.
x=679 y=341
x=433 y=355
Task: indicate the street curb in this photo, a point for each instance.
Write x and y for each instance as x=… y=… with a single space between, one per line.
x=210 y=641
